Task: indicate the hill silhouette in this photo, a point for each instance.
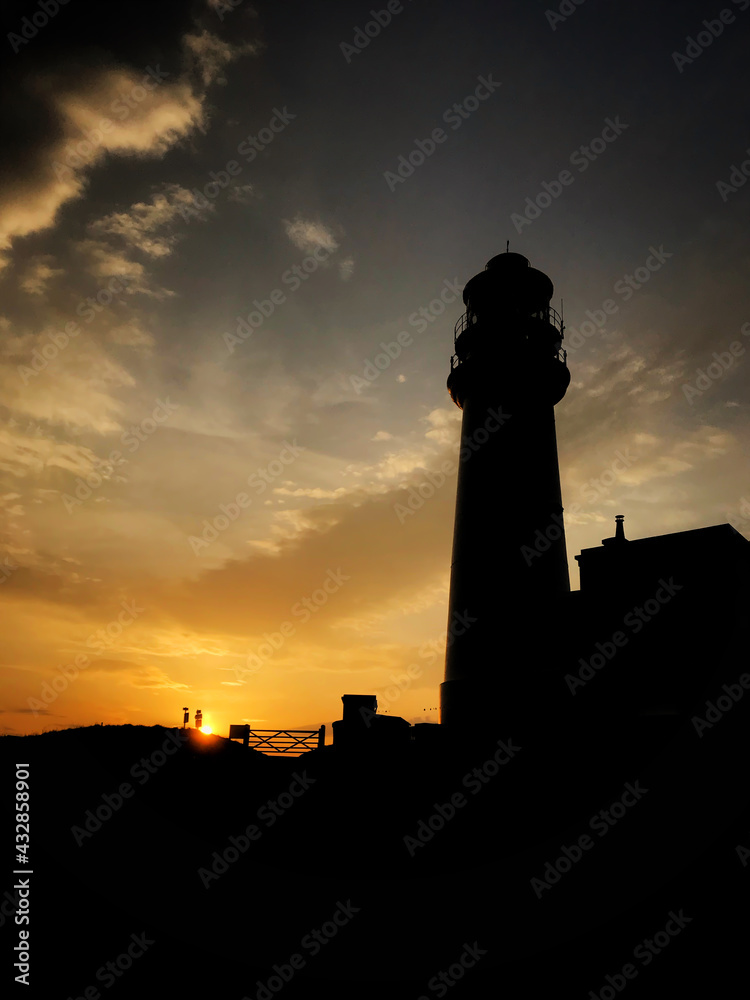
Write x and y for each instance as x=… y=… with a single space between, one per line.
x=229 y=860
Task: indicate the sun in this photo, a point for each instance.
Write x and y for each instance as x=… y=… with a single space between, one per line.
x=207 y=730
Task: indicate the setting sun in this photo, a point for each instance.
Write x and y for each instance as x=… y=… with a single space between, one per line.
x=207 y=730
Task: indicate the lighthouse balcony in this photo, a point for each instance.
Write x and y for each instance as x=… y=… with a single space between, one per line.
x=507 y=317
x=497 y=339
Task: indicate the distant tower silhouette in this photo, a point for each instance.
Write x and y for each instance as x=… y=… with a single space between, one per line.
x=198 y=719
x=509 y=571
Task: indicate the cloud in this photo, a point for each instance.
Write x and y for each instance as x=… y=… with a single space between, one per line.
x=24 y=711
x=314 y=493
x=346 y=268
x=126 y=112
x=103 y=262
x=650 y=458
x=211 y=54
x=308 y=235
x=30 y=202
x=445 y=423
x=22 y=454
x=76 y=389
x=138 y=226
x=67 y=115
x=623 y=366
x=243 y=194
x=131 y=334
x=30 y=205
x=38 y=273
x=152 y=677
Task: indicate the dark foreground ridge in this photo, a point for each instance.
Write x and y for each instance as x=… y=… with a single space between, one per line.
x=520 y=868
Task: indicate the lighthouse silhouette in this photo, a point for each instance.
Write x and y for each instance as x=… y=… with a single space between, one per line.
x=509 y=569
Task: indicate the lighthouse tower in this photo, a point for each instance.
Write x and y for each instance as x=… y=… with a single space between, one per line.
x=509 y=571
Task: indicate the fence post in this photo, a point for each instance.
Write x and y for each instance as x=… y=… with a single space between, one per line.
x=246 y=737
x=321 y=737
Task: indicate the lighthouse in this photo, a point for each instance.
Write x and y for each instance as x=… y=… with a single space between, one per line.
x=509 y=570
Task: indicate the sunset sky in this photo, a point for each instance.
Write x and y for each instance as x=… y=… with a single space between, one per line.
x=171 y=168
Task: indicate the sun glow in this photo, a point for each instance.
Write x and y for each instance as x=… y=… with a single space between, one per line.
x=206 y=730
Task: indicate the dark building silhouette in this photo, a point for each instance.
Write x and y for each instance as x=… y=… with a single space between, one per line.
x=507 y=374
x=658 y=625
x=363 y=727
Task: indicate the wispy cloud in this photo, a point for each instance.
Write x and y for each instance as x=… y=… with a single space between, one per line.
x=309 y=235
x=38 y=273
x=139 y=225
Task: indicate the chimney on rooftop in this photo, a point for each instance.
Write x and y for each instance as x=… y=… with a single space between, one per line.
x=619 y=535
